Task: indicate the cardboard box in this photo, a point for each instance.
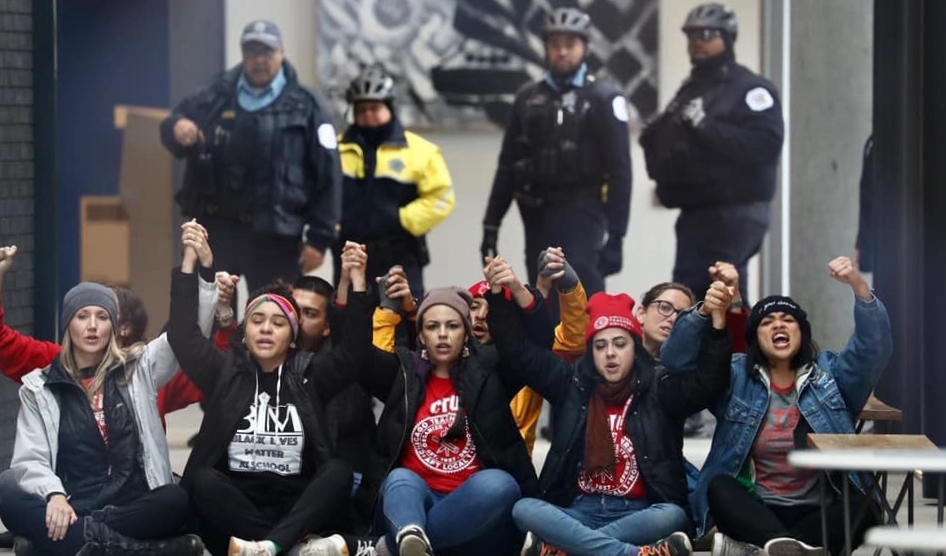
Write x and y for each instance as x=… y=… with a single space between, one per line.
x=105 y=235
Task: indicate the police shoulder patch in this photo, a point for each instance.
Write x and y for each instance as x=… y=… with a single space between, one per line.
x=759 y=99
x=327 y=138
x=619 y=107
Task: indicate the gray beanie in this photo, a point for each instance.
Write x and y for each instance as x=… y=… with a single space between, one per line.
x=85 y=294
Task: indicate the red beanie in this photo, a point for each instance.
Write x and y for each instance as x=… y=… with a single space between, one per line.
x=611 y=311
x=480 y=289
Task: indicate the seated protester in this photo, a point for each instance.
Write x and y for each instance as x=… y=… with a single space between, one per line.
x=349 y=415
x=90 y=471
x=262 y=474
x=94 y=471
x=526 y=406
x=21 y=354
x=457 y=461
x=618 y=428
x=782 y=389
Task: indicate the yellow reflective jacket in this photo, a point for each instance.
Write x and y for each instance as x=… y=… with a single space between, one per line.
x=409 y=189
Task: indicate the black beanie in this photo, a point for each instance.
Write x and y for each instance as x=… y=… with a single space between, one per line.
x=776 y=304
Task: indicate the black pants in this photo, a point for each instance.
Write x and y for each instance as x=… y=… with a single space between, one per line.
x=259 y=257
x=738 y=514
x=578 y=228
x=158 y=514
x=725 y=233
x=224 y=511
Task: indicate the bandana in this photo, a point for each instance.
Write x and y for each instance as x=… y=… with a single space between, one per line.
x=284 y=305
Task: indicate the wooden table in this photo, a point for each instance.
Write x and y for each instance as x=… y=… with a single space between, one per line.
x=876 y=410
x=875 y=455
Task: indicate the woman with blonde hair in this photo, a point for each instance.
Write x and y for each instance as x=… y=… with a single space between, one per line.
x=90 y=472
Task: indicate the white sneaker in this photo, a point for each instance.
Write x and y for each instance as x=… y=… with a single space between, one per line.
x=784 y=546
x=329 y=546
x=240 y=547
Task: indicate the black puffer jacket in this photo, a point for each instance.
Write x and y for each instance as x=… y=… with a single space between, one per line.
x=484 y=394
x=731 y=158
x=654 y=421
x=227 y=379
x=287 y=150
x=94 y=473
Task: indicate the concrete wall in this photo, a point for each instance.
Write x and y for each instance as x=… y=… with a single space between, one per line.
x=831 y=80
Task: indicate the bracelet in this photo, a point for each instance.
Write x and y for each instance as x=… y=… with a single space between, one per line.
x=225 y=316
x=736 y=305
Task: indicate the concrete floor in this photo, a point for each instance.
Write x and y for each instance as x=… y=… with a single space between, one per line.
x=183 y=424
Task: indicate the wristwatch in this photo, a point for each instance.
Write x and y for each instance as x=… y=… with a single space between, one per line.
x=736 y=305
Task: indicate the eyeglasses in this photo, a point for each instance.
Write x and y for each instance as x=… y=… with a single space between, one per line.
x=702 y=34
x=666 y=309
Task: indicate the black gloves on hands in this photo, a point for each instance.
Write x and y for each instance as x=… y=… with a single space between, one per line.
x=611 y=257
x=384 y=301
x=488 y=247
x=567 y=282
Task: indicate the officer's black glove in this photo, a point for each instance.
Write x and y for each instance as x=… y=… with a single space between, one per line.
x=612 y=256
x=488 y=247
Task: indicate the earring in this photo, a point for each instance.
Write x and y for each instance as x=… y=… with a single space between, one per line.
x=466 y=351
x=292 y=345
x=423 y=354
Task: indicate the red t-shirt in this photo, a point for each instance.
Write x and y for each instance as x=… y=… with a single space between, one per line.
x=625 y=481
x=443 y=464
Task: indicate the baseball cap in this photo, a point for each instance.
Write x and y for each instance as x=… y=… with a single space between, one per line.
x=262 y=31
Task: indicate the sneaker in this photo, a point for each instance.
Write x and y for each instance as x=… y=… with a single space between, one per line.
x=316 y=546
x=726 y=546
x=412 y=541
x=366 y=548
x=785 y=546
x=532 y=546
x=677 y=544
x=240 y=547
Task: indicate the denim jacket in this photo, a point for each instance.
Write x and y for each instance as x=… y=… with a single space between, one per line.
x=831 y=392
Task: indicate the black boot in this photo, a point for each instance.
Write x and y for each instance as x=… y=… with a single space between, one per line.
x=109 y=541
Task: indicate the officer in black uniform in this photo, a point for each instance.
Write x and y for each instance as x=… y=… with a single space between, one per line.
x=714 y=152
x=262 y=164
x=566 y=160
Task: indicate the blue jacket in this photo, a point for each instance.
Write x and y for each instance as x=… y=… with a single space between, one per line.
x=831 y=391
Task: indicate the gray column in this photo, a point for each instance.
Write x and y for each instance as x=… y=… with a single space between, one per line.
x=829 y=62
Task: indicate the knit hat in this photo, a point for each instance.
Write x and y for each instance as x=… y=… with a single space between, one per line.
x=481 y=288
x=456 y=298
x=776 y=304
x=85 y=294
x=611 y=311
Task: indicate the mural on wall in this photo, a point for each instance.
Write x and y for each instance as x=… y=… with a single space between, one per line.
x=460 y=62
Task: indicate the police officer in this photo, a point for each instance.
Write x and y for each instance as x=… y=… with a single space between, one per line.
x=714 y=151
x=396 y=184
x=566 y=160
x=262 y=164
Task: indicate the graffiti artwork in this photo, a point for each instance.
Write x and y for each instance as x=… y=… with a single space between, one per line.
x=460 y=62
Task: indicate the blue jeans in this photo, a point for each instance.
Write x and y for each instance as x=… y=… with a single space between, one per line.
x=474 y=519
x=599 y=525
